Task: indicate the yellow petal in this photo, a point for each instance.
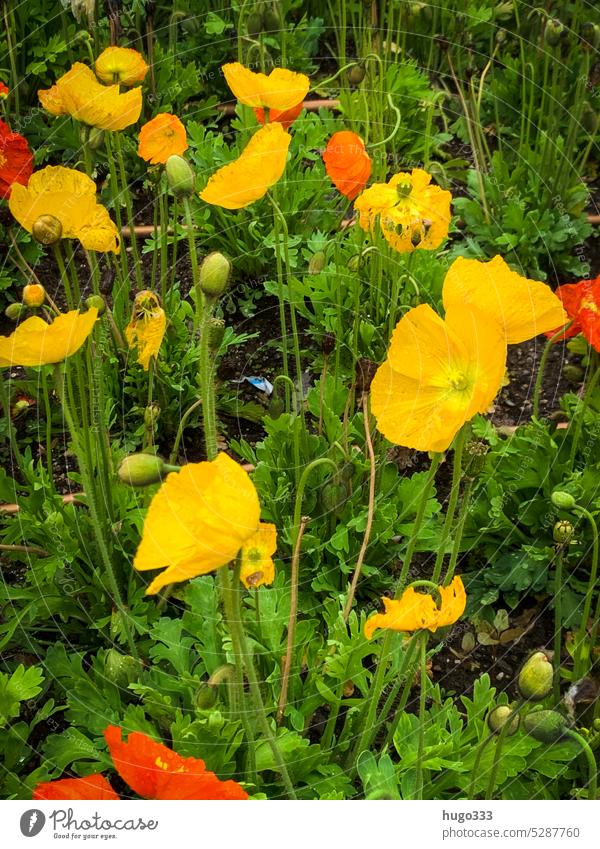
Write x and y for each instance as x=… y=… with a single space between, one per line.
x=524 y=308
x=257 y=567
x=121 y=64
x=453 y=603
x=52 y=101
x=409 y=613
x=281 y=89
x=147 y=327
x=248 y=178
x=87 y=100
x=35 y=343
x=198 y=521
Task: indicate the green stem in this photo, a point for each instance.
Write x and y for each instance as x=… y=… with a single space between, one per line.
x=189 y=220
x=580 y=413
x=48 y=417
x=537 y=390
x=558 y=573
x=579 y=648
x=498 y=750
x=129 y=208
x=592 y=783
x=405 y=682
x=422 y=701
x=459 y=444
x=181 y=428
x=459 y=530
x=207 y=386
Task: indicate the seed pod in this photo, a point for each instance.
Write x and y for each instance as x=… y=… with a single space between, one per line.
x=547 y=726
x=535 y=677
x=180 y=177
x=47 y=230
x=475 y=453
x=562 y=532
x=33 y=295
x=317 y=263
x=215 y=271
x=142 y=469
x=96 y=301
x=499 y=716
x=563 y=500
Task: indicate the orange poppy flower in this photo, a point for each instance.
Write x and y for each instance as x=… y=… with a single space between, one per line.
x=347 y=163
x=154 y=771
x=162 y=137
x=582 y=303
x=3 y=90
x=285 y=117
x=16 y=160
x=92 y=787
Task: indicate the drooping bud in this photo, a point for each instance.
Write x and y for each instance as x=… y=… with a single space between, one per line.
x=316 y=263
x=47 y=230
x=475 y=452
x=563 y=500
x=547 y=726
x=333 y=497
x=180 y=177
x=354 y=263
x=34 y=295
x=573 y=373
x=553 y=32
x=143 y=469
x=96 y=301
x=499 y=716
x=216 y=332
x=589 y=119
x=254 y=24
x=276 y=407
x=271 y=19
x=535 y=677
x=562 y=532
x=121 y=669
x=215 y=271
x=15 y=311
x=356 y=74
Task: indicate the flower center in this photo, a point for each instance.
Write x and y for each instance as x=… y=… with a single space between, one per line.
x=587 y=303
x=459 y=381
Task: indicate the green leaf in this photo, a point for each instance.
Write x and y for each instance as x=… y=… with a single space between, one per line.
x=23 y=684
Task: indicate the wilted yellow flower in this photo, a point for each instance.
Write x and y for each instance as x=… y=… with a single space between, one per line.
x=147 y=327
x=415 y=610
x=412 y=214
x=35 y=343
x=438 y=374
x=280 y=90
x=70 y=197
x=121 y=65
x=257 y=557
x=259 y=166
x=198 y=521
x=525 y=308
x=79 y=94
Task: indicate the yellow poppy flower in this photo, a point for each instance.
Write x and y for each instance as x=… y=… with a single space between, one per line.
x=121 y=65
x=412 y=214
x=162 y=137
x=256 y=557
x=438 y=374
x=280 y=90
x=70 y=197
x=525 y=308
x=259 y=166
x=198 y=521
x=147 y=327
x=79 y=94
x=415 y=611
x=35 y=343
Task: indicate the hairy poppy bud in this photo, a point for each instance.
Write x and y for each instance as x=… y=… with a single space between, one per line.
x=356 y=74
x=96 y=301
x=276 y=407
x=216 y=332
x=206 y=696
x=15 y=311
x=95 y=139
x=354 y=263
x=562 y=532
x=553 y=32
x=34 y=295
x=121 y=669
x=547 y=726
x=271 y=19
x=143 y=469
x=328 y=343
x=573 y=373
x=333 y=496
x=151 y=415
x=589 y=119
x=499 y=716
x=47 y=230
x=535 y=677
x=475 y=452
x=563 y=500
x=180 y=177
x=254 y=24
x=317 y=263
x=214 y=275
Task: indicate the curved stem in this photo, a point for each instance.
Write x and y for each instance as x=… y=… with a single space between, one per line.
x=181 y=428
x=537 y=390
x=394 y=131
x=580 y=413
x=498 y=750
x=592 y=784
x=579 y=648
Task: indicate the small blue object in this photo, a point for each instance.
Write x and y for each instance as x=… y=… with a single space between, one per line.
x=260 y=383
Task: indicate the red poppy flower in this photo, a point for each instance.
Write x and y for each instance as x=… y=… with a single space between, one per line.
x=66 y=789
x=16 y=160
x=285 y=117
x=3 y=90
x=582 y=303
x=156 y=772
x=347 y=163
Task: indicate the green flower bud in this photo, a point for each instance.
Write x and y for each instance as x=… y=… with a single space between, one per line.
x=562 y=532
x=499 y=716
x=47 y=230
x=547 y=726
x=553 y=32
x=121 y=669
x=317 y=263
x=563 y=500
x=96 y=301
x=590 y=33
x=354 y=263
x=356 y=74
x=589 y=119
x=254 y=24
x=180 y=177
x=206 y=696
x=475 y=452
x=151 y=415
x=214 y=275
x=276 y=407
x=271 y=19
x=143 y=469
x=535 y=677
x=95 y=139
x=333 y=497
x=216 y=332
x=15 y=311
x=573 y=373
